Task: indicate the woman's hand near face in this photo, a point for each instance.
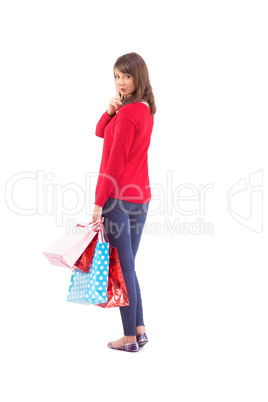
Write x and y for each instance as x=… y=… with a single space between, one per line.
x=114 y=104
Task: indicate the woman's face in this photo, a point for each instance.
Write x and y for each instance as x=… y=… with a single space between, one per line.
x=124 y=83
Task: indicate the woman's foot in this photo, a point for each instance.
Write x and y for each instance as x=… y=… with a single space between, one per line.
x=123 y=341
x=140 y=330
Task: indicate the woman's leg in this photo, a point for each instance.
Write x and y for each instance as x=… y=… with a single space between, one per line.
x=137 y=221
x=117 y=226
x=124 y=234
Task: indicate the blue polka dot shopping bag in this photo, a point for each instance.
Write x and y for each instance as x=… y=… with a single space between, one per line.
x=91 y=287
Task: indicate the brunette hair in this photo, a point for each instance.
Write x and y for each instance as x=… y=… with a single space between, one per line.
x=133 y=64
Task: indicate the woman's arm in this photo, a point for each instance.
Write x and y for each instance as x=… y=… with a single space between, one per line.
x=102 y=123
x=124 y=131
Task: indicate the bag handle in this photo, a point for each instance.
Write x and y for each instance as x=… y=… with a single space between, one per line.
x=102 y=226
x=94 y=223
x=100 y=230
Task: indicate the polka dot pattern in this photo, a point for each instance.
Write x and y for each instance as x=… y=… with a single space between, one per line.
x=91 y=287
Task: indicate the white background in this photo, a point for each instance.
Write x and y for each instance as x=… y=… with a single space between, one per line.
x=204 y=294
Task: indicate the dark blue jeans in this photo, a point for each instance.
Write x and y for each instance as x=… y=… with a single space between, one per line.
x=123 y=223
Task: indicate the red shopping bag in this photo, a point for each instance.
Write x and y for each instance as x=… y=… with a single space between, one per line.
x=117 y=295
x=84 y=261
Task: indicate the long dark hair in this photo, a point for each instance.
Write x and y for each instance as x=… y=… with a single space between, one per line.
x=133 y=64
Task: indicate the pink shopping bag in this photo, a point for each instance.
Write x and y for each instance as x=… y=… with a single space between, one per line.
x=69 y=248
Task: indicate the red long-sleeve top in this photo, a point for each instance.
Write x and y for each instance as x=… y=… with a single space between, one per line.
x=123 y=172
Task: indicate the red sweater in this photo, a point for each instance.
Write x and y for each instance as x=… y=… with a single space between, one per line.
x=123 y=170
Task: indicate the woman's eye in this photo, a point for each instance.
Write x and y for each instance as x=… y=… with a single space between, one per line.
x=126 y=75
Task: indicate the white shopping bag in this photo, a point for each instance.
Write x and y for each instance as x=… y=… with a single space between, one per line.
x=69 y=247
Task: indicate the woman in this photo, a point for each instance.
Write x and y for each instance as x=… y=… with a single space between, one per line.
x=123 y=192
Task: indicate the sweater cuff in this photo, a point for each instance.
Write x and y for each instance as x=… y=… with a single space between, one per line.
x=99 y=201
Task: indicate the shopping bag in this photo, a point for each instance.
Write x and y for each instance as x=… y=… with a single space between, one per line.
x=68 y=250
x=117 y=295
x=91 y=287
x=84 y=261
